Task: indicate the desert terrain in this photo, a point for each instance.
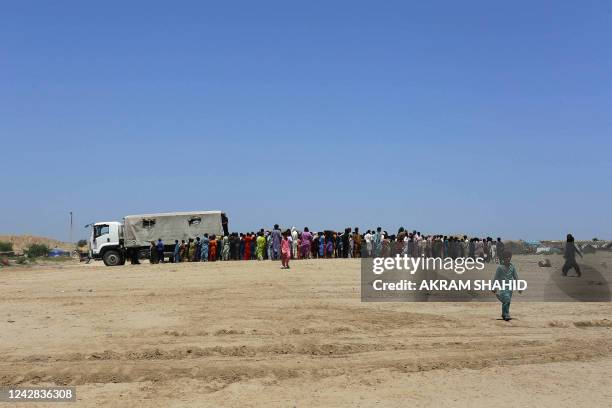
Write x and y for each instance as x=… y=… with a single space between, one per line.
x=251 y=334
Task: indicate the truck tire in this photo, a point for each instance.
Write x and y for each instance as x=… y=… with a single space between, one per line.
x=112 y=258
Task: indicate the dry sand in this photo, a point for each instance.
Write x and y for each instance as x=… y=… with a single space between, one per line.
x=251 y=334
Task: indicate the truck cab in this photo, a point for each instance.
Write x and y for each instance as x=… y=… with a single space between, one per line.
x=114 y=242
x=106 y=241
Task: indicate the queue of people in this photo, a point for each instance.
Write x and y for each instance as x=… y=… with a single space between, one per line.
x=276 y=244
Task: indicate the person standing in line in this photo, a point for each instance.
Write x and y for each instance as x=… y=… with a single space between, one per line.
x=499 y=245
x=489 y=249
x=570 y=257
x=377 y=241
x=465 y=247
x=177 y=251
x=410 y=245
x=220 y=247
x=192 y=248
x=285 y=250
x=198 y=250
x=472 y=248
x=294 y=243
x=247 y=247
x=478 y=248
x=233 y=246
x=485 y=248
x=386 y=245
x=314 y=248
x=269 y=245
x=241 y=246
x=329 y=244
x=160 y=250
x=226 y=248
x=321 y=245
x=182 y=251
x=415 y=245
x=356 y=244
x=277 y=237
x=421 y=243
x=253 y=245
x=261 y=246
x=399 y=242
x=305 y=243
x=212 y=248
x=445 y=247
x=204 y=249
x=506 y=272
x=368 y=243
x=187 y=258
x=153 y=253
x=346 y=243
x=494 y=251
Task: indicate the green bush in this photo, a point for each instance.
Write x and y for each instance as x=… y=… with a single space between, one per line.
x=82 y=243
x=21 y=260
x=6 y=246
x=37 y=250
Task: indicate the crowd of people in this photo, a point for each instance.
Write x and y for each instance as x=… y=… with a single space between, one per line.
x=277 y=244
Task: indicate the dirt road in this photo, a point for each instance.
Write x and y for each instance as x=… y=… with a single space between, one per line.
x=251 y=334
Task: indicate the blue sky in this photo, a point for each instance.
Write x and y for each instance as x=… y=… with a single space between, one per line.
x=479 y=117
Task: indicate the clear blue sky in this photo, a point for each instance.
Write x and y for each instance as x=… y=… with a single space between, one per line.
x=444 y=116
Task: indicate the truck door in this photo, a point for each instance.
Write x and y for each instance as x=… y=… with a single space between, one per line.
x=101 y=236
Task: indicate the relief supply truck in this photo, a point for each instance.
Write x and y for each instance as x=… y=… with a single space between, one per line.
x=114 y=242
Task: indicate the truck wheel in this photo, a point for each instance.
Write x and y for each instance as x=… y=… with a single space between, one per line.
x=112 y=258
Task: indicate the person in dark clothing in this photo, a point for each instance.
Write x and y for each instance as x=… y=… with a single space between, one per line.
x=160 y=250
x=499 y=248
x=346 y=242
x=570 y=257
x=198 y=249
x=224 y=223
x=241 y=246
x=233 y=246
x=134 y=257
x=153 y=253
x=472 y=248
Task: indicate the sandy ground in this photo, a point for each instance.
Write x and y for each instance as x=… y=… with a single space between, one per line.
x=251 y=334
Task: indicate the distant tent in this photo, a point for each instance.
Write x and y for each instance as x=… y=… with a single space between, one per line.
x=55 y=252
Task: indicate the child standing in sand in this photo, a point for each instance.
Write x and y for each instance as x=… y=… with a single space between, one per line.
x=285 y=250
x=505 y=272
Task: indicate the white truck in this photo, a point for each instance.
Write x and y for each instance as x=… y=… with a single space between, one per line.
x=114 y=242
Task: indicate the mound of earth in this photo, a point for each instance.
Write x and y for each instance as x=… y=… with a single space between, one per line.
x=21 y=242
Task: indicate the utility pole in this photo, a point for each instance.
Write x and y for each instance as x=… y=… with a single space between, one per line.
x=71 y=227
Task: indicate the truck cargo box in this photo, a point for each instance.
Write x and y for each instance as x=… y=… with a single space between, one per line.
x=140 y=230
